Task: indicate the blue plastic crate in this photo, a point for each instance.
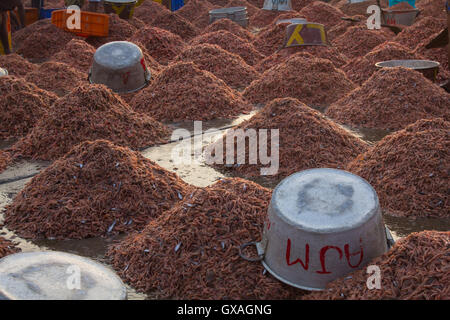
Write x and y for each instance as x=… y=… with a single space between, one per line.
x=176 y=4
x=47 y=13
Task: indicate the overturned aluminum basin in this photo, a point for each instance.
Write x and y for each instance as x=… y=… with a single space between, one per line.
x=428 y=68
x=405 y=17
x=277 y=5
x=3 y=72
x=123 y=8
x=120 y=65
x=55 y=275
x=291 y=21
x=236 y=14
x=305 y=34
x=322 y=224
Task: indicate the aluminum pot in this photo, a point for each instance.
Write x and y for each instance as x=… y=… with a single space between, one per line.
x=236 y=14
x=120 y=65
x=3 y=72
x=278 y=5
x=428 y=68
x=291 y=21
x=123 y=8
x=399 y=17
x=305 y=34
x=56 y=275
x=322 y=224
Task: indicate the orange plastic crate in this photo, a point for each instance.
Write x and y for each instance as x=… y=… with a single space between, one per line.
x=92 y=24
